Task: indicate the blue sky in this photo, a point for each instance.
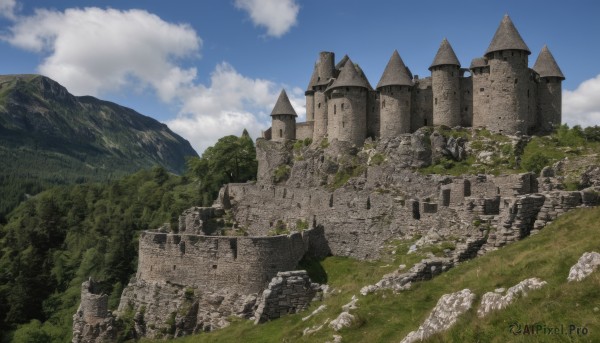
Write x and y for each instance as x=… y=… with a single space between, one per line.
x=213 y=67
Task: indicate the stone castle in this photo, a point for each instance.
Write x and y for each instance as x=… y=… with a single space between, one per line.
x=501 y=94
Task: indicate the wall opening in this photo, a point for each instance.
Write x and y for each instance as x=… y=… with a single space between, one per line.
x=368 y=203
x=214 y=266
x=331 y=200
x=174 y=267
x=415 y=210
x=319 y=105
x=436 y=101
x=233 y=247
x=342 y=107
x=334 y=109
x=424 y=122
x=280 y=133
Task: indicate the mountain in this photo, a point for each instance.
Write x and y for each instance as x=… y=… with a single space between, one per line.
x=49 y=136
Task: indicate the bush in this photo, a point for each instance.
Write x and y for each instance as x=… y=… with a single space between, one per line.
x=535 y=163
x=281 y=173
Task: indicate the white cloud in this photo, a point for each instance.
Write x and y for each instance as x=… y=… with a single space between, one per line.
x=278 y=16
x=8 y=8
x=230 y=104
x=582 y=106
x=94 y=50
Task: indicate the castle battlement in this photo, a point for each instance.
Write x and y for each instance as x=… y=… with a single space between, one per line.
x=242 y=264
x=500 y=93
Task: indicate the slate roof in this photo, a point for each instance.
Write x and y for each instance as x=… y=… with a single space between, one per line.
x=395 y=73
x=341 y=63
x=283 y=105
x=546 y=65
x=445 y=55
x=507 y=38
x=478 y=63
x=350 y=77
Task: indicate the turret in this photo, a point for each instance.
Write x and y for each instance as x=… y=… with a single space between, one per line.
x=325 y=73
x=394 y=98
x=507 y=57
x=445 y=73
x=347 y=105
x=283 y=119
x=310 y=95
x=549 y=91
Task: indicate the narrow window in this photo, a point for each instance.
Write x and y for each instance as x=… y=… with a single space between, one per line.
x=334 y=109
x=319 y=105
x=347 y=89
x=424 y=122
x=174 y=266
x=343 y=124
x=528 y=93
x=342 y=107
x=481 y=89
x=436 y=101
x=516 y=81
x=466 y=108
x=280 y=133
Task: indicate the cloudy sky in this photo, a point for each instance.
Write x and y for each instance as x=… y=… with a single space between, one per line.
x=214 y=67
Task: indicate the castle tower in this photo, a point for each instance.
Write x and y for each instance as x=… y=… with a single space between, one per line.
x=480 y=74
x=507 y=57
x=310 y=96
x=549 y=91
x=394 y=89
x=325 y=72
x=283 y=119
x=445 y=73
x=347 y=105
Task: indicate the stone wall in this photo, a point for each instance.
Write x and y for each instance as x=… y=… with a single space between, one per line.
x=421 y=104
x=304 y=130
x=466 y=101
x=320 y=127
x=240 y=264
x=347 y=115
x=481 y=96
x=288 y=292
x=284 y=127
x=395 y=110
x=93 y=322
x=549 y=103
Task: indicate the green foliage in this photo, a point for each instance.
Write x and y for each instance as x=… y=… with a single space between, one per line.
x=535 y=163
x=231 y=159
x=281 y=173
x=301 y=225
x=57 y=239
x=279 y=229
x=324 y=143
x=32 y=332
x=377 y=159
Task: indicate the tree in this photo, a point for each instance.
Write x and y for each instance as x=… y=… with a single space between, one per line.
x=231 y=159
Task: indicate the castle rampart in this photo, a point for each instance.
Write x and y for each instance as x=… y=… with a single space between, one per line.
x=241 y=264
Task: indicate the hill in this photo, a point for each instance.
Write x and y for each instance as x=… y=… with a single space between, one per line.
x=49 y=136
x=388 y=317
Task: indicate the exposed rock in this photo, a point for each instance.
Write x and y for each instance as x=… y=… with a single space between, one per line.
x=288 y=292
x=319 y=309
x=344 y=320
x=443 y=316
x=351 y=305
x=587 y=263
x=493 y=301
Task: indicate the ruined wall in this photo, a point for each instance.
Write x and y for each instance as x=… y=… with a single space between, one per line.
x=283 y=128
x=481 y=96
x=304 y=130
x=395 y=110
x=421 y=104
x=241 y=264
x=347 y=114
x=509 y=75
x=93 y=322
x=549 y=103
x=446 y=95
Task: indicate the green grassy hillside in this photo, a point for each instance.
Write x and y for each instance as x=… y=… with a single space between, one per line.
x=388 y=317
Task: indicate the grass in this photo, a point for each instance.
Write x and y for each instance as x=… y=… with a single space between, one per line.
x=388 y=317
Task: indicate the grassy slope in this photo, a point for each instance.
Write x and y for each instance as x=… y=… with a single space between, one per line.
x=386 y=317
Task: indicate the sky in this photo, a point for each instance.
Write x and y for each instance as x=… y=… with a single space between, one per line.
x=211 y=68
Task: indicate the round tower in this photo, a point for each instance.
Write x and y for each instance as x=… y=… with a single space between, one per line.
x=445 y=73
x=508 y=57
x=480 y=74
x=395 y=95
x=310 y=96
x=325 y=72
x=283 y=118
x=347 y=105
x=549 y=104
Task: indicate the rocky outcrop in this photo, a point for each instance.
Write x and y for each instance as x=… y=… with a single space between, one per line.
x=587 y=263
x=288 y=292
x=93 y=323
x=444 y=315
x=163 y=310
x=493 y=301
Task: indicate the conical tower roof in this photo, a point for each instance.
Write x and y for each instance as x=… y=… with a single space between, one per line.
x=478 y=63
x=363 y=76
x=313 y=79
x=395 y=73
x=341 y=63
x=546 y=65
x=283 y=105
x=350 y=77
x=507 y=38
x=445 y=55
